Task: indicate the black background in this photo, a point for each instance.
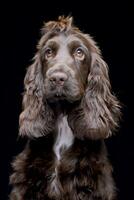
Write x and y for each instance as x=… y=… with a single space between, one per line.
x=111 y=25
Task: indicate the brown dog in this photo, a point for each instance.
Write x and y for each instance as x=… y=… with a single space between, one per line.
x=68 y=111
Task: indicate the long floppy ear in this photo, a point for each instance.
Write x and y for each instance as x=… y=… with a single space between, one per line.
x=37 y=118
x=99 y=112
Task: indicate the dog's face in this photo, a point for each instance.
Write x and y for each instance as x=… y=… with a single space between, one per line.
x=68 y=66
x=65 y=61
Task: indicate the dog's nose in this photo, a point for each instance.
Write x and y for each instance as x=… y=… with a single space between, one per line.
x=58 y=78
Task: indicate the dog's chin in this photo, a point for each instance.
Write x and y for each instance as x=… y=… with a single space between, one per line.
x=62 y=103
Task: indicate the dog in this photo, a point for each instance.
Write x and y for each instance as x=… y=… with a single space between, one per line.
x=68 y=112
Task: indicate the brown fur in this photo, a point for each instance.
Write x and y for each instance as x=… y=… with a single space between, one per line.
x=92 y=111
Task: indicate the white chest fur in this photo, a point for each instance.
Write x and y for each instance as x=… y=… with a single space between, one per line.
x=64 y=138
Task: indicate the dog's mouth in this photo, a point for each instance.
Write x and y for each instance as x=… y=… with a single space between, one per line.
x=61 y=94
x=57 y=95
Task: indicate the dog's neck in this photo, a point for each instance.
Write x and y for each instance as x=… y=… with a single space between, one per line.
x=64 y=135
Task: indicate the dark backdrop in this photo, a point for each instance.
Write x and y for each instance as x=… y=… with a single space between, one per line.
x=111 y=26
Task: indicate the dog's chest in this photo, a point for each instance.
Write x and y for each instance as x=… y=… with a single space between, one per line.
x=64 y=138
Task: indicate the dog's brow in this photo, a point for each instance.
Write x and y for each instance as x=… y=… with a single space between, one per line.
x=51 y=42
x=75 y=43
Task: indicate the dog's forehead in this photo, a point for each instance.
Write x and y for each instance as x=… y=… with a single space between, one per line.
x=65 y=39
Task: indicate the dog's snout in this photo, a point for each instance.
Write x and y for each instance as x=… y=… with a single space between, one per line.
x=58 y=78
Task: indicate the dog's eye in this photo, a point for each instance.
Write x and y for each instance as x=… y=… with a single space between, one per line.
x=48 y=52
x=79 y=53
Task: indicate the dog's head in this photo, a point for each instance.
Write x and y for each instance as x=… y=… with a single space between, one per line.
x=65 y=57
x=68 y=66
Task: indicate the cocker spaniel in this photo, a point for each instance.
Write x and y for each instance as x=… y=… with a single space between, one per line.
x=68 y=111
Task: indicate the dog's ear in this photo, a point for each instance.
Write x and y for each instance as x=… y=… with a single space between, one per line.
x=102 y=107
x=37 y=118
x=98 y=115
